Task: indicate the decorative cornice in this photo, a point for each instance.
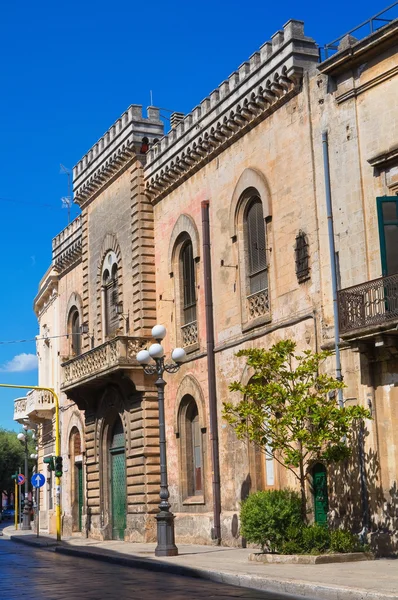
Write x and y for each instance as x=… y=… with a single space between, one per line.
x=254 y=109
x=383 y=159
x=131 y=135
x=272 y=76
x=67 y=246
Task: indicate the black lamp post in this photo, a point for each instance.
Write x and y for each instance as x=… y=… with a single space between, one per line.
x=23 y=438
x=165 y=518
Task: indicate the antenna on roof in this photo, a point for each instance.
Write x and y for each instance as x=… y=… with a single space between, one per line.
x=66 y=200
x=150 y=93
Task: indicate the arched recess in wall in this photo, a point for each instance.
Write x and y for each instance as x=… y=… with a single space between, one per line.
x=111 y=404
x=77 y=423
x=190 y=429
x=73 y=323
x=251 y=183
x=249 y=226
x=184 y=225
x=183 y=259
x=189 y=386
x=110 y=249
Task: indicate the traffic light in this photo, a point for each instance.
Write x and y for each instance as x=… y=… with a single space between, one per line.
x=49 y=460
x=58 y=466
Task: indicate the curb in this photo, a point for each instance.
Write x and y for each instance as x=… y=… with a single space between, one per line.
x=290 y=589
x=29 y=542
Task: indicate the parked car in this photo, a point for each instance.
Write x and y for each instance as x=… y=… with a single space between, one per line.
x=9 y=513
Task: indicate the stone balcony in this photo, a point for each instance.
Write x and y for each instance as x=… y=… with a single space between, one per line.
x=118 y=354
x=37 y=406
x=20 y=413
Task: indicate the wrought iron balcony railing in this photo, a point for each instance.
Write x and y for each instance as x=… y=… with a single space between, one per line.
x=118 y=353
x=373 y=304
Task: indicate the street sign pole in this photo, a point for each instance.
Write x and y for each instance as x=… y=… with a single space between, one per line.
x=37 y=511
x=20 y=499
x=16 y=503
x=38 y=480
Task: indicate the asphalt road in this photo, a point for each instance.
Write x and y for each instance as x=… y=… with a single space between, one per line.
x=34 y=574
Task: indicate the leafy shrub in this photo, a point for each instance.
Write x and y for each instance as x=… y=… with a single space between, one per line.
x=266 y=517
x=344 y=541
x=311 y=539
x=316 y=539
x=291 y=547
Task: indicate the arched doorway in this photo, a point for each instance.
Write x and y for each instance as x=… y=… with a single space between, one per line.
x=320 y=491
x=117 y=478
x=76 y=474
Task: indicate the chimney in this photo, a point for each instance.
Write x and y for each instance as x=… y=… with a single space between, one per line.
x=176 y=117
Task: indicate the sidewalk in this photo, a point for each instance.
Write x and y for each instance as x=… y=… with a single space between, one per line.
x=367 y=580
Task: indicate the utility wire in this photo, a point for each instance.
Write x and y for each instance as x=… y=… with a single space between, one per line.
x=37 y=339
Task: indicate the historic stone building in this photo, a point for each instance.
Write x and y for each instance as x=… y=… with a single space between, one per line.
x=250 y=160
x=219 y=231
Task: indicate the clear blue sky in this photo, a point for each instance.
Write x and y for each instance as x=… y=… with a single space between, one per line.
x=67 y=71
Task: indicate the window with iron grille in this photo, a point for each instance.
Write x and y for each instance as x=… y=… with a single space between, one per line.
x=256 y=247
x=188 y=283
x=301 y=251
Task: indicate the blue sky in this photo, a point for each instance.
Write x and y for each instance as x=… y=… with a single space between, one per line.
x=68 y=70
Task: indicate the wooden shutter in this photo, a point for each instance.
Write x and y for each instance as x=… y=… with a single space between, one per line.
x=256 y=247
x=189 y=287
x=76 y=334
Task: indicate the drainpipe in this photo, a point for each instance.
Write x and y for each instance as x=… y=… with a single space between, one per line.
x=211 y=371
x=332 y=253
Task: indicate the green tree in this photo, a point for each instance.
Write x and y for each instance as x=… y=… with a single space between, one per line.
x=12 y=457
x=290 y=410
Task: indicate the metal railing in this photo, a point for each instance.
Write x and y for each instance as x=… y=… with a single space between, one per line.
x=373 y=303
x=364 y=29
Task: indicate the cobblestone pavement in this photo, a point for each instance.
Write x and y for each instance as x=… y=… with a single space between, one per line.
x=26 y=572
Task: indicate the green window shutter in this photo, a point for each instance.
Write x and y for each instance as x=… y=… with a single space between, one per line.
x=387 y=212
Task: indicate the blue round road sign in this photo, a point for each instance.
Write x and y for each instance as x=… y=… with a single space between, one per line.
x=38 y=480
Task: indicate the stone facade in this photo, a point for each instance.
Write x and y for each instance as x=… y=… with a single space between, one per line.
x=137 y=255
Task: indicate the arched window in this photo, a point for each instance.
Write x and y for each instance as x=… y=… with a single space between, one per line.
x=187 y=268
x=76 y=479
x=257 y=271
x=110 y=294
x=74 y=331
x=256 y=264
x=193 y=450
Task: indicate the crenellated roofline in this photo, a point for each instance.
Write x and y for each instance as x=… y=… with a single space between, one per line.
x=259 y=87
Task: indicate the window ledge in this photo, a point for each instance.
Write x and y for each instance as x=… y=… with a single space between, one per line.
x=192 y=348
x=194 y=500
x=263 y=320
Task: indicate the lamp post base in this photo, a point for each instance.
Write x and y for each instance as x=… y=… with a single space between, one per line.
x=165 y=531
x=25 y=520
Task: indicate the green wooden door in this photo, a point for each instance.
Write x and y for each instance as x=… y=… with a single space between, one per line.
x=320 y=488
x=80 y=494
x=118 y=481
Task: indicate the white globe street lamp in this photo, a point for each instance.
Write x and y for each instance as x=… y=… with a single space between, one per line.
x=153 y=363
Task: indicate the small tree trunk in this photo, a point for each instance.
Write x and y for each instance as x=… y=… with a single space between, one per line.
x=303 y=494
